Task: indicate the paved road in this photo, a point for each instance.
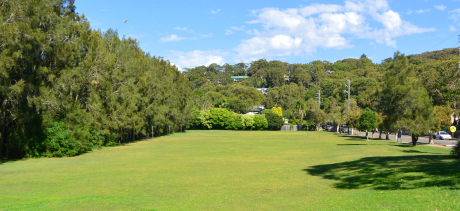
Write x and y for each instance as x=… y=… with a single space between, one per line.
x=423 y=140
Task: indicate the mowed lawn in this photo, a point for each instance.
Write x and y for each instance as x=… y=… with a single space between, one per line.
x=238 y=170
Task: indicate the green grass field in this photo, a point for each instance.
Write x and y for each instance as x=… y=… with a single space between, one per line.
x=238 y=170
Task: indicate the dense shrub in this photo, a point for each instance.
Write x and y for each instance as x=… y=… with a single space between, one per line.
x=60 y=142
x=248 y=121
x=275 y=122
x=221 y=118
x=97 y=139
x=200 y=120
x=235 y=122
x=260 y=122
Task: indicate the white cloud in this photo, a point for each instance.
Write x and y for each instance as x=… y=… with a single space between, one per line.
x=234 y=28
x=440 y=7
x=302 y=30
x=183 y=28
x=172 y=38
x=205 y=35
x=452 y=28
x=422 y=11
x=215 y=11
x=409 y=11
x=455 y=14
x=238 y=28
x=196 y=58
x=191 y=31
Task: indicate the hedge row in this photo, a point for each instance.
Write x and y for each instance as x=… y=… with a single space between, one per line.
x=221 y=118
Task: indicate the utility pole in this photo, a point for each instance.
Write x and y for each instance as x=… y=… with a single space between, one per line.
x=348 y=92
x=319 y=98
x=319 y=107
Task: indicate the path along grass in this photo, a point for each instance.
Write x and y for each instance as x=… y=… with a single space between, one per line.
x=238 y=170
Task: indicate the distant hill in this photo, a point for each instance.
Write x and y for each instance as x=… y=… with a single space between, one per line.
x=444 y=54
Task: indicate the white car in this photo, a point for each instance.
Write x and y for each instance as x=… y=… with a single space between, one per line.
x=442 y=135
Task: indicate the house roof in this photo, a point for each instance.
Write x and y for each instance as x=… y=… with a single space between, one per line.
x=240 y=77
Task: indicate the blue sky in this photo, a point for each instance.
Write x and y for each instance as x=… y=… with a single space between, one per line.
x=200 y=32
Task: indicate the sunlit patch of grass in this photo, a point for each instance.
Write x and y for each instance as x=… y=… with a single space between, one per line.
x=238 y=170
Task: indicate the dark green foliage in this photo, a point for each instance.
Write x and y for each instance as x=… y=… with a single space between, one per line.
x=238 y=106
x=456 y=150
x=105 y=89
x=284 y=96
x=60 y=142
x=404 y=101
x=367 y=121
x=274 y=121
x=97 y=139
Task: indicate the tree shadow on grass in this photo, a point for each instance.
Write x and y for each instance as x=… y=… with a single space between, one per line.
x=413 y=151
x=357 y=138
x=351 y=144
x=392 y=173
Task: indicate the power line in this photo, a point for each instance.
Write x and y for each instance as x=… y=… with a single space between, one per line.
x=454 y=45
x=444 y=40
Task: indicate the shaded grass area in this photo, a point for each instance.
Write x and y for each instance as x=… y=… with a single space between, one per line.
x=238 y=170
x=393 y=173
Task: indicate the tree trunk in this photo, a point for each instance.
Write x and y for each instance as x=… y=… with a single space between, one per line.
x=414 y=140
x=367 y=135
x=338 y=128
x=388 y=135
x=352 y=131
x=431 y=138
x=3 y=136
x=380 y=135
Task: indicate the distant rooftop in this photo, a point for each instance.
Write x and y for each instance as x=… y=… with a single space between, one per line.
x=240 y=77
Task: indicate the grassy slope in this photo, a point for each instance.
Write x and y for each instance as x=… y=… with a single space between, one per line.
x=238 y=170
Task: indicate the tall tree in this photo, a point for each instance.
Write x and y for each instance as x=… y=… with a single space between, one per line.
x=404 y=101
x=367 y=121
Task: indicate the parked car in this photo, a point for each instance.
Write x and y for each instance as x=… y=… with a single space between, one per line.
x=442 y=135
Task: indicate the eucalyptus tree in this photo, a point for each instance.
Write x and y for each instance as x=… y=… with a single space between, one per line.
x=314 y=113
x=351 y=117
x=404 y=101
x=284 y=96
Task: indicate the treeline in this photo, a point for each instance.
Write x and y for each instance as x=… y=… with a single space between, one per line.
x=67 y=89
x=417 y=93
